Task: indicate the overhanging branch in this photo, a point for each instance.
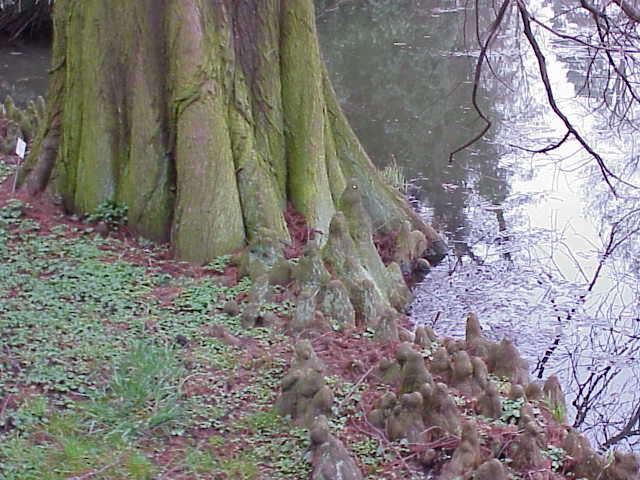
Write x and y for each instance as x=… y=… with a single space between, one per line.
x=607 y=174
x=478 y=74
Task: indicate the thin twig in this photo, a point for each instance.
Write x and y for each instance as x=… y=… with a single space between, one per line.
x=477 y=77
x=4 y=404
x=546 y=149
x=353 y=389
x=544 y=76
x=93 y=473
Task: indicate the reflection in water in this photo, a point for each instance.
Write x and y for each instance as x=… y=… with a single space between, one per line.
x=23 y=70
x=540 y=248
x=407 y=98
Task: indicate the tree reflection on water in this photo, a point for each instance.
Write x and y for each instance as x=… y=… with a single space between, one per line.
x=541 y=249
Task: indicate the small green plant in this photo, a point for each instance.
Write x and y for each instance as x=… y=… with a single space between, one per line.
x=370 y=452
x=6 y=170
x=111 y=212
x=282 y=308
x=268 y=421
x=145 y=242
x=200 y=461
x=12 y=211
x=72 y=315
x=558 y=410
x=503 y=384
x=32 y=412
x=218 y=264
x=394 y=176
x=286 y=452
x=242 y=467
x=20 y=460
x=139 y=467
x=557 y=455
x=511 y=410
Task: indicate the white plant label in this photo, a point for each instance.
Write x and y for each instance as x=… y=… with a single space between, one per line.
x=21 y=148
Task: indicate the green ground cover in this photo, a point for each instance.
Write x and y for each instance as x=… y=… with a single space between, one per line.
x=109 y=367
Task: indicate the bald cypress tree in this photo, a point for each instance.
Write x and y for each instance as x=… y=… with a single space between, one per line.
x=206 y=118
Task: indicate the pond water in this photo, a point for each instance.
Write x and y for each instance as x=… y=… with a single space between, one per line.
x=528 y=233
x=23 y=70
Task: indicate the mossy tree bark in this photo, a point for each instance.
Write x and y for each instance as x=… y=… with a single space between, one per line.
x=204 y=117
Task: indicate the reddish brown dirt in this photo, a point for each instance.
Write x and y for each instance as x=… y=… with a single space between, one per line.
x=3 y=127
x=349 y=353
x=299 y=232
x=44 y=209
x=386 y=245
x=41 y=208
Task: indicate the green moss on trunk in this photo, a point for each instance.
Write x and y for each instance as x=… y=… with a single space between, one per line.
x=304 y=107
x=204 y=118
x=208 y=217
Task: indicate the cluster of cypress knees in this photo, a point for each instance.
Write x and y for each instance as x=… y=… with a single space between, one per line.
x=419 y=406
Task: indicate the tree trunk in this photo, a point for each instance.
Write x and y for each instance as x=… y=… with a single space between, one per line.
x=206 y=118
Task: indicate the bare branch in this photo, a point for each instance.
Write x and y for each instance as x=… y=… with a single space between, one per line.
x=93 y=473
x=546 y=149
x=477 y=76
x=627 y=431
x=607 y=174
x=576 y=39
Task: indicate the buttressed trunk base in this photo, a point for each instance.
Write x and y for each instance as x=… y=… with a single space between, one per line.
x=204 y=117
